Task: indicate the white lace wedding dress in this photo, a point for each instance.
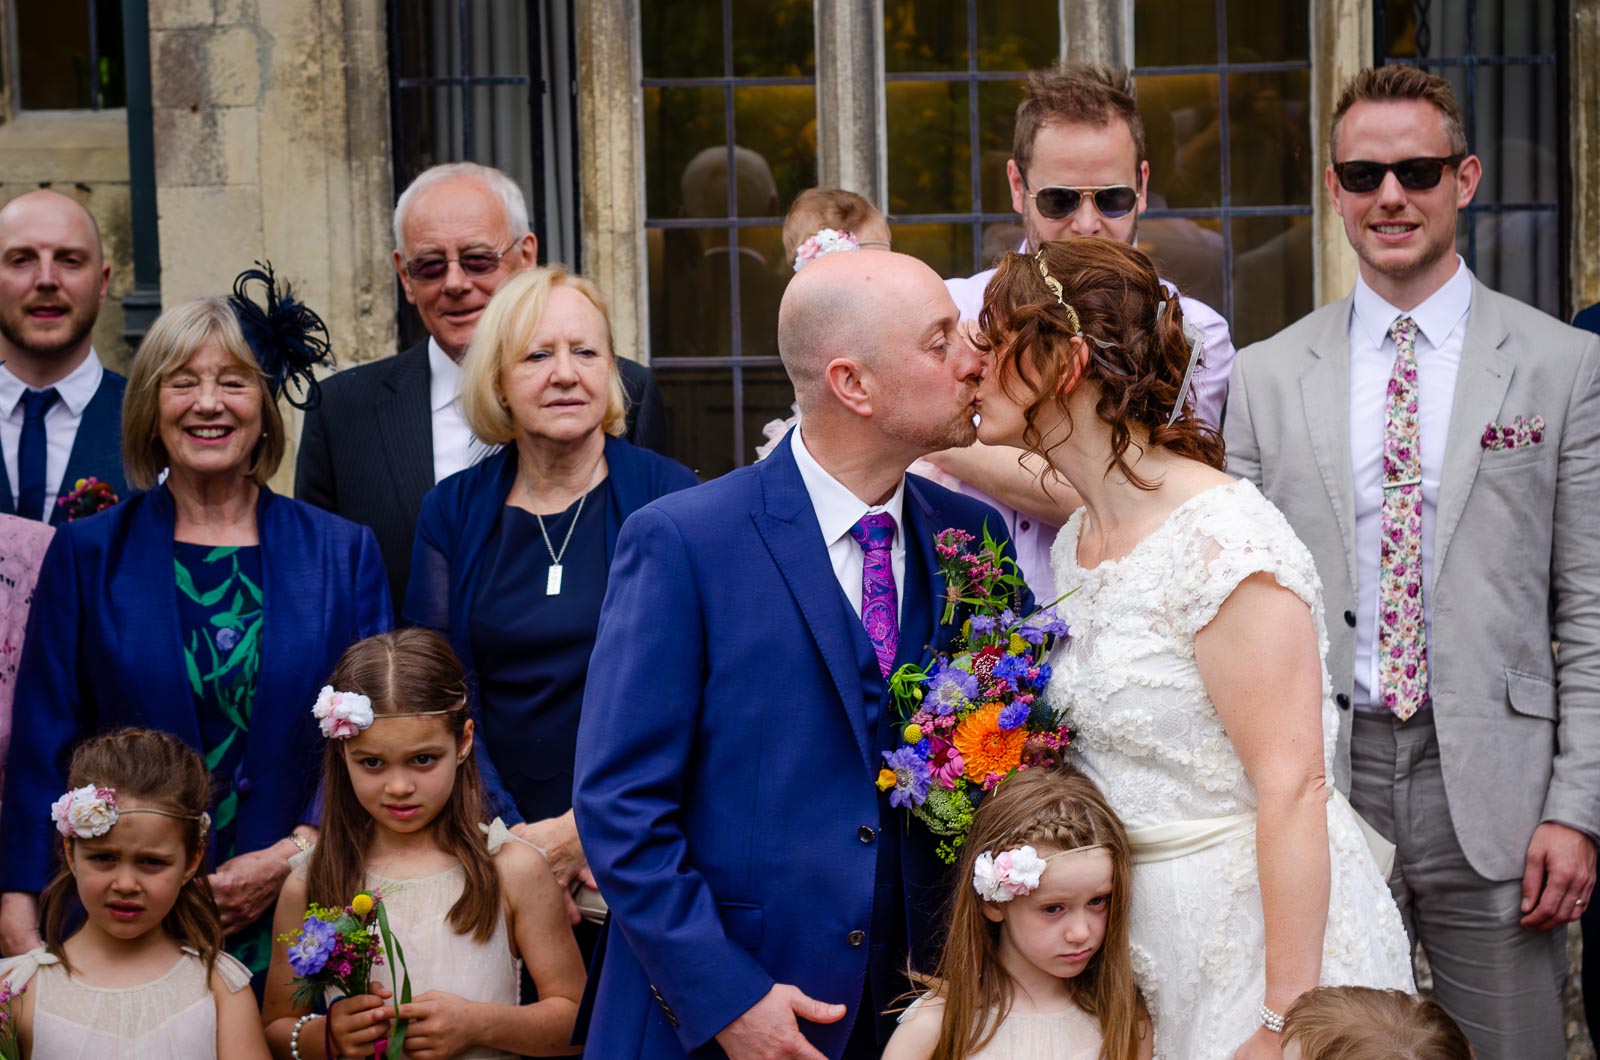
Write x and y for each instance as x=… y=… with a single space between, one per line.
x=1146 y=732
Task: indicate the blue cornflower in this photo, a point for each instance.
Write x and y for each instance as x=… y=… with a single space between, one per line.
x=1042 y=677
x=1014 y=715
x=1010 y=668
x=910 y=777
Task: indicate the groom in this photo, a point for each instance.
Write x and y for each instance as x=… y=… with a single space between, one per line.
x=763 y=892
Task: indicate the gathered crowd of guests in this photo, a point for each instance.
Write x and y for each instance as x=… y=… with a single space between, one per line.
x=604 y=739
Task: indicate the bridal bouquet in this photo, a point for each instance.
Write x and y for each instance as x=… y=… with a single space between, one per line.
x=973 y=716
x=338 y=948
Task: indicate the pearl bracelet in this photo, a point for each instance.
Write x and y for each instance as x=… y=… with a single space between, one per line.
x=1270 y=1019
x=294 y=1035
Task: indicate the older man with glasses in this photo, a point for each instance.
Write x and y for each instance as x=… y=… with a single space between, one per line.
x=386 y=432
x=1077 y=169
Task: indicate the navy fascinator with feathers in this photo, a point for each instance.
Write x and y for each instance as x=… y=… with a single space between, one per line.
x=287 y=338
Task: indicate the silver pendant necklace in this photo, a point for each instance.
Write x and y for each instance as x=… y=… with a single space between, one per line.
x=552 y=581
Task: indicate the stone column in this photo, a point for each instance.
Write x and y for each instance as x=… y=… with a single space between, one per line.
x=1341 y=44
x=1583 y=60
x=272 y=142
x=1097 y=31
x=850 y=99
x=611 y=165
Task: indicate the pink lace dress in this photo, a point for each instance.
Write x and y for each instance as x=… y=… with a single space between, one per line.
x=22 y=545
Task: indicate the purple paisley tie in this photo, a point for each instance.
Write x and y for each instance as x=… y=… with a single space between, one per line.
x=875 y=535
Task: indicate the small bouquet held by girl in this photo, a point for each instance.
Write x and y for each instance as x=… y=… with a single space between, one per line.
x=335 y=950
x=10 y=1049
x=973 y=717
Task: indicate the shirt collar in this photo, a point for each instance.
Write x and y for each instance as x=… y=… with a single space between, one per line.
x=1436 y=316
x=444 y=377
x=75 y=391
x=837 y=508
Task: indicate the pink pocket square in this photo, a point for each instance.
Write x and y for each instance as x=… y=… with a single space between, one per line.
x=1517 y=434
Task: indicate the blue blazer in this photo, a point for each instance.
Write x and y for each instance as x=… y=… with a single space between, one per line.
x=458 y=517
x=726 y=758
x=103 y=650
x=96 y=450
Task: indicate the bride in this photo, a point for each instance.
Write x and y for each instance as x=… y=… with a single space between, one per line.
x=1195 y=676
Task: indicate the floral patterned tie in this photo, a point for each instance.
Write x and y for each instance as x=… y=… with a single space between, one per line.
x=1402 y=633
x=879 y=610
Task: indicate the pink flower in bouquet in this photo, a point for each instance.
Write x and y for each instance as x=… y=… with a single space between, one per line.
x=945 y=764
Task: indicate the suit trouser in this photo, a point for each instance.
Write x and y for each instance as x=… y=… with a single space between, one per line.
x=1502 y=984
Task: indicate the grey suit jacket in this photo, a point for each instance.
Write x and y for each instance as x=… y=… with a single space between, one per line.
x=1516 y=555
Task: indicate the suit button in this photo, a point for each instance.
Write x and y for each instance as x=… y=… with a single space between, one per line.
x=866 y=834
x=1350 y=619
x=1343 y=701
x=1026 y=525
x=856 y=938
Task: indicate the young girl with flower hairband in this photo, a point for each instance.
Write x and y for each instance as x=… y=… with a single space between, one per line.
x=1036 y=963
x=145 y=975
x=402 y=805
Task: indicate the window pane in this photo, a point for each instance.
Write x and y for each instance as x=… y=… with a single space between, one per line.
x=1182 y=139
x=700 y=417
x=1272 y=281
x=779 y=124
x=681 y=38
x=1519 y=254
x=997 y=118
x=1269 y=135
x=1260 y=32
x=924 y=35
x=1514 y=132
x=1188 y=251
x=1019 y=35
x=775 y=38
x=763 y=274
x=680 y=124
x=1174 y=32
x=768 y=396
x=947 y=248
x=55 y=69
x=930 y=151
x=691 y=290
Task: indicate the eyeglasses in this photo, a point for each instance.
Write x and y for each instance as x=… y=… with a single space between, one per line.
x=1415 y=174
x=1112 y=200
x=431 y=269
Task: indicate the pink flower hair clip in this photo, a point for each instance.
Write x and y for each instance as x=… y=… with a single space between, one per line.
x=1013 y=873
x=90 y=812
x=826 y=241
x=342 y=714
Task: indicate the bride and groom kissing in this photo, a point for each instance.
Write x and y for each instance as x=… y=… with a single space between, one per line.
x=765 y=895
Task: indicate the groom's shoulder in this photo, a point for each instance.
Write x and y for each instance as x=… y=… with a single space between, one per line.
x=709 y=503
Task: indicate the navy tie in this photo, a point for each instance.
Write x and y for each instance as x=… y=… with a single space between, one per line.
x=33 y=452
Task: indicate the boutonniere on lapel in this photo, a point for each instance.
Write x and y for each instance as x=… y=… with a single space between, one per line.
x=973 y=716
x=1517 y=434
x=88 y=495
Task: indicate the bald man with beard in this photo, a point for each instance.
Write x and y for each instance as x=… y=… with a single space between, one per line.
x=764 y=894
x=60 y=410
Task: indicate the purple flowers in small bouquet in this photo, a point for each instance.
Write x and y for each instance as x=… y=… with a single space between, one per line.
x=973 y=717
x=9 y=1048
x=338 y=948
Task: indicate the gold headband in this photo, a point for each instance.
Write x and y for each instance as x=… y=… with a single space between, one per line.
x=1055 y=289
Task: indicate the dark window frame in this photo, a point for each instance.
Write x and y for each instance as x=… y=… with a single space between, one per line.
x=11 y=62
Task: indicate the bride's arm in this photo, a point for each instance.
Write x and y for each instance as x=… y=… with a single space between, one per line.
x=1258 y=659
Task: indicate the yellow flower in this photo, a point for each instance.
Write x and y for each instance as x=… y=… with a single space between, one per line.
x=1018 y=645
x=82 y=482
x=361 y=905
x=886 y=779
x=911 y=734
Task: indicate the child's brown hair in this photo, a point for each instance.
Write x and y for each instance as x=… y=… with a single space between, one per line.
x=407 y=671
x=1360 y=1023
x=162 y=771
x=817 y=208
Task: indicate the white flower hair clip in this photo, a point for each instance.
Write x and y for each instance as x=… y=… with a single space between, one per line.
x=90 y=812
x=342 y=714
x=1013 y=873
x=826 y=241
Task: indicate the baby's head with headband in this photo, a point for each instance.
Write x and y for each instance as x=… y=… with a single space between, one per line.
x=825 y=220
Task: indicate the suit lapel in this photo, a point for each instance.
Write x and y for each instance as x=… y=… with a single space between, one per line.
x=924 y=581
x=788 y=526
x=1325 y=391
x=146 y=588
x=405 y=424
x=1481 y=383
x=97 y=447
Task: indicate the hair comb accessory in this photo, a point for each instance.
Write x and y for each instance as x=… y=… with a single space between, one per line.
x=288 y=339
x=1014 y=873
x=1075 y=325
x=1197 y=345
x=826 y=241
x=90 y=812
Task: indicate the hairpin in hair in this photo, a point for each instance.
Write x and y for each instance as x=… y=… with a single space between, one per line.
x=1196 y=346
x=1014 y=873
x=287 y=338
x=342 y=715
x=90 y=812
x=1072 y=318
x=826 y=241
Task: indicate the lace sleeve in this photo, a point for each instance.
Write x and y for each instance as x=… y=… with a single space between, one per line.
x=1238 y=535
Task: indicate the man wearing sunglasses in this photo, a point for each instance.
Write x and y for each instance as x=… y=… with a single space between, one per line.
x=1434 y=444
x=1077 y=168
x=386 y=432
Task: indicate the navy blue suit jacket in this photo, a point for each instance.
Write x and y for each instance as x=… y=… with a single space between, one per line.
x=1588 y=319
x=458 y=517
x=96 y=450
x=103 y=650
x=726 y=758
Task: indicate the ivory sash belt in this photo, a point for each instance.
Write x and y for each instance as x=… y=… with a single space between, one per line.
x=1177 y=839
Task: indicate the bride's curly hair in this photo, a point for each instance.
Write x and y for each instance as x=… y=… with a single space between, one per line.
x=1137 y=356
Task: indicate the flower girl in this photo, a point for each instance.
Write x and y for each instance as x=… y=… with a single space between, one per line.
x=1036 y=963
x=145 y=976
x=401 y=813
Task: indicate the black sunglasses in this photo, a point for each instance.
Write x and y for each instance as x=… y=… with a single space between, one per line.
x=474 y=263
x=1112 y=200
x=1415 y=174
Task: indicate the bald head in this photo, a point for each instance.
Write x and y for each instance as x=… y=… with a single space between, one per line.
x=53 y=278
x=51 y=208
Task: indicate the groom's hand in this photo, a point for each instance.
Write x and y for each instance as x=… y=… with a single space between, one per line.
x=770 y=1029
x=1560 y=873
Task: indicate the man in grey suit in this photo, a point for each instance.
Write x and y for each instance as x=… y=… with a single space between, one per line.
x=1437 y=446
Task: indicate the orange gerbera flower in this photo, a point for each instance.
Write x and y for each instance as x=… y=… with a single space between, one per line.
x=987 y=748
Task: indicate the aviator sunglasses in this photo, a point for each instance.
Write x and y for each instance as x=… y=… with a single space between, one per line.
x=473 y=263
x=1112 y=200
x=1414 y=174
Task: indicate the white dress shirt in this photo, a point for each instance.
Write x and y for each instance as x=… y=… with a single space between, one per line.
x=61 y=422
x=837 y=511
x=454 y=446
x=1442 y=328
